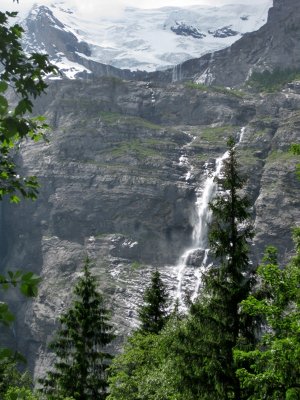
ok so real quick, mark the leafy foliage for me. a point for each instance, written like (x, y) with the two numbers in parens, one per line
(80, 367)
(17, 393)
(295, 149)
(23, 76)
(10, 376)
(129, 369)
(149, 367)
(26, 76)
(27, 283)
(273, 366)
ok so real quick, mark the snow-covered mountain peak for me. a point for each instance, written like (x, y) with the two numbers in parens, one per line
(139, 39)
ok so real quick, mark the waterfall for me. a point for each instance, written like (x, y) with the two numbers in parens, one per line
(199, 248)
(176, 73)
(242, 133)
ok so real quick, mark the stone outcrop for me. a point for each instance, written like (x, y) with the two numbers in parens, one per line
(43, 29)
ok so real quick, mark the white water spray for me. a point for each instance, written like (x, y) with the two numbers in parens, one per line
(199, 247)
(176, 73)
(242, 133)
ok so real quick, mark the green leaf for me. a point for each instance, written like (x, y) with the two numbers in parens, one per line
(23, 106)
(25, 75)
(295, 149)
(29, 284)
(10, 355)
(3, 86)
(5, 354)
(14, 199)
(27, 276)
(3, 105)
(18, 274)
(10, 274)
(10, 125)
(5, 286)
(6, 317)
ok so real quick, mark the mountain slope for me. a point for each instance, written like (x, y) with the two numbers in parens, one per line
(139, 39)
(275, 44)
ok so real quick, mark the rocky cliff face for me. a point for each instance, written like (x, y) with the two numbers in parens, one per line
(113, 188)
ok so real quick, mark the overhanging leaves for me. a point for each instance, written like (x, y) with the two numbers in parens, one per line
(26, 75)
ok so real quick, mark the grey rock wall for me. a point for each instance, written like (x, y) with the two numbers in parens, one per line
(112, 188)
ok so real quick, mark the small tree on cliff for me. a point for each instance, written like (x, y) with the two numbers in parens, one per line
(153, 313)
(80, 368)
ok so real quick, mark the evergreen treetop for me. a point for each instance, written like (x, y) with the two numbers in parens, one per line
(153, 313)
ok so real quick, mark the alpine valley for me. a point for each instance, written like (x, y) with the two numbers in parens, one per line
(139, 119)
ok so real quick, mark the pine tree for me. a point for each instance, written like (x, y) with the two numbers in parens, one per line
(81, 360)
(153, 313)
(216, 315)
(141, 355)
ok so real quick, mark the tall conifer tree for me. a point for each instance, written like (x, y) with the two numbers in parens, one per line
(129, 370)
(217, 311)
(81, 360)
(153, 313)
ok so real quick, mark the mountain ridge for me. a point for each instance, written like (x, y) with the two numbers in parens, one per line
(168, 36)
(266, 49)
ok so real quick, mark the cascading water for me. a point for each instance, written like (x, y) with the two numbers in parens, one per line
(199, 249)
(176, 73)
(201, 223)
